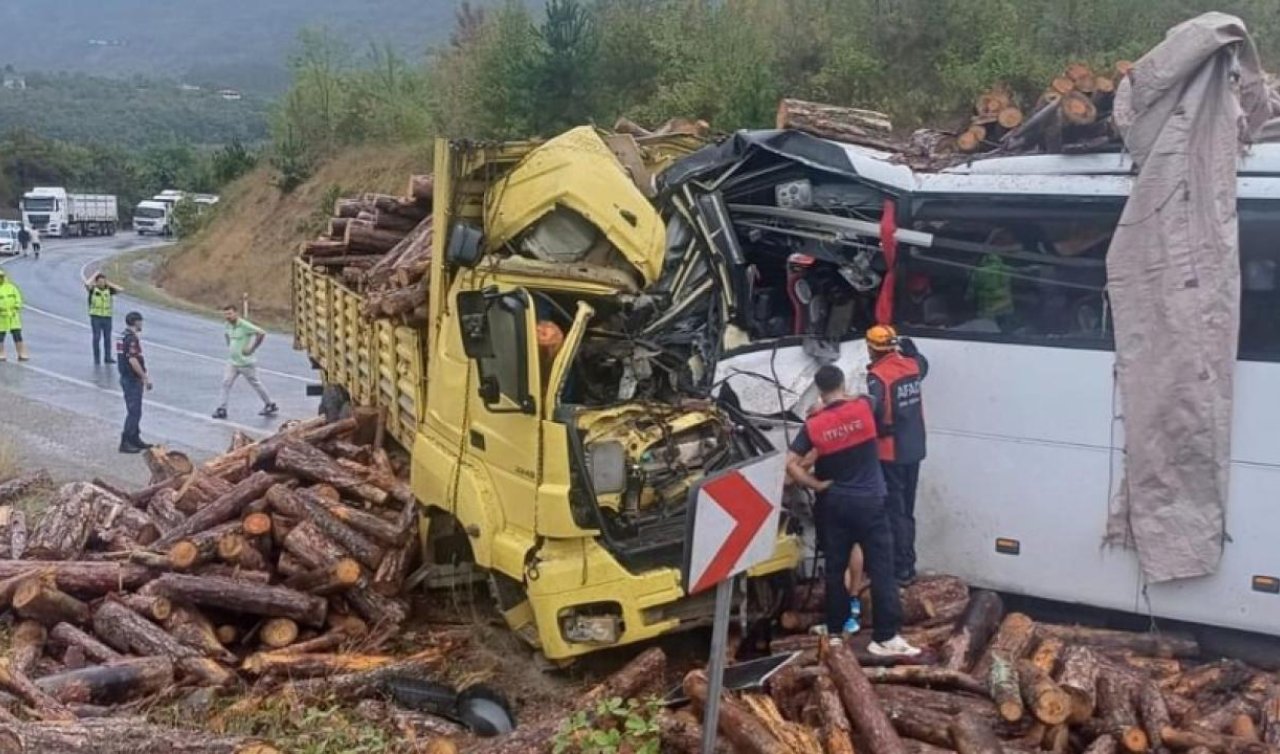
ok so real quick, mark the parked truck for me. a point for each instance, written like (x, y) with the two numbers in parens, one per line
(562, 475)
(54, 212)
(155, 215)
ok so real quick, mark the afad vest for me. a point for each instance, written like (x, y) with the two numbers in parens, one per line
(843, 426)
(902, 435)
(99, 302)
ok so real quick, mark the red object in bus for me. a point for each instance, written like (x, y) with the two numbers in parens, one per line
(889, 245)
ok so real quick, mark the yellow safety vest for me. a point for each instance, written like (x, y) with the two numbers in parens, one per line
(99, 302)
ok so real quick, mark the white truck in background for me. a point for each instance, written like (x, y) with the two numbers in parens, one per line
(54, 212)
(155, 215)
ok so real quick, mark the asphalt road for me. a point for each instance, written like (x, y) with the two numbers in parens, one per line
(61, 410)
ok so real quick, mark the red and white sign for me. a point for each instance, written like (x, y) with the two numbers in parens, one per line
(734, 521)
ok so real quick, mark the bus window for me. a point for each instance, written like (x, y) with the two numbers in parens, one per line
(1259, 282)
(1028, 272)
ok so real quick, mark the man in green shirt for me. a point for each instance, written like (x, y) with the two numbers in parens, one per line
(243, 340)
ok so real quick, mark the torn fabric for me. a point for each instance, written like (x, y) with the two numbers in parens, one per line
(1173, 272)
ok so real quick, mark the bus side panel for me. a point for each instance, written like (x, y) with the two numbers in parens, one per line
(1019, 449)
(1252, 549)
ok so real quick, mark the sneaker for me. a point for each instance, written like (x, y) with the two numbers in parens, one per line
(851, 625)
(220, 413)
(835, 641)
(818, 630)
(270, 409)
(895, 647)
(128, 447)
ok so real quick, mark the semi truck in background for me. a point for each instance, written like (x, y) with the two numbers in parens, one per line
(155, 215)
(54, 212)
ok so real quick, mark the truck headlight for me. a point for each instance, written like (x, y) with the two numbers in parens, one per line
(607, 462)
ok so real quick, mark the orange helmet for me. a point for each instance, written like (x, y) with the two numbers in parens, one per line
(882, 338)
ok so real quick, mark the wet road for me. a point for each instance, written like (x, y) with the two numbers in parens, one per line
(65, 405)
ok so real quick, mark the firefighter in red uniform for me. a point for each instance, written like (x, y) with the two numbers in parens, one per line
(850, 509)
(893, 380)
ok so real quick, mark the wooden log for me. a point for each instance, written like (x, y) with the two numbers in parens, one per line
(240, 596)
(154, 607)
(294, 665)
(421, 189)
(110, 684)
(199, 548)
(234, 549)
(26, 645)
(1185, 740)
(222, 570)
(973, 631)
(1271, 719)
(18, 538)
(1062, 84)
(126, 631)
(1104, 744)
(363, 236)
(1159, 668)
(681, 733)
(388, 580)
(1214, 676)
(39, 599)
(6, 522)
(81, 578)
(278, 633)
(331, 640)
(933, 596)
(1012, 640)
(346, 537)
(119, 735)
(1047, 654)
(337, 229)
(17, 683)
(1157, 645)
(332, 579)
(310, 546)
(1217, 720)
(70, 636)
(398, 205)
(1243, 728)
(1117, 713)
(20, 485)
(970, 735)
(837, 733)
(64, 529)
(861, 703)
(225, 508)
(1056, 739)
(787, 687)
(1154, 713)
(311, 463)
(1077, 109)
(1010, 117)
(163, 509)
(1042, 697)
(1078, 680)
(836, 123)
(377, 528)
(992, 101)
(736, 723)
(191, 627)
(1006, 689)
(10, 585)
(256, 524)
(927, 676)
(395, 303)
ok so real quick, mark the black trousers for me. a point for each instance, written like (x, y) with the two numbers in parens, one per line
(902, 480)
(101, 337)
(133, 410)
(17, 336)
(843, 521)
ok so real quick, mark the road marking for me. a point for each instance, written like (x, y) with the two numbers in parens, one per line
(163, 347)
(255, 431)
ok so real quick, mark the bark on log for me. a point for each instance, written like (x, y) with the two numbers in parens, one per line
(1005, 689)
(1215, 676)
(152, 606)
(681, 733)
(234, 549)
(17, 683)
(737, 724)
(974, 630)
(1047, 654)
(386, 533)
(1049, 703)
(1271, 719)
(1154, 713)
(316, 551)
(1244, 729)
(927, 676)
(119, 736)
(127, 631)
(240, 596)
(837, 123)
(18, 538)
(970, 735)
(163, 509)
(110, 684)
(359, 685)
(1079, 678)
(346, 537)
(27, 645)
(333, 579)
(81, 578)
(199, 548)
(422, 189)
(295, 665)
(861, 703)
(837, 734)
(363, 236)
(70, 636)
(1105, 744)
(193, 629)
(24, 483)
(326, 642)
(1117, 713)
(64, 529)
(1183, 740)
(1012, 640)
(39, 599)
(388, 580)
(1158, 645)
(278, 633)
(228, 506)
(311, 463)
(930, 597)
(921, 724)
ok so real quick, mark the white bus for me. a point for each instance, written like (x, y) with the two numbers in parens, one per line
(1025, 438)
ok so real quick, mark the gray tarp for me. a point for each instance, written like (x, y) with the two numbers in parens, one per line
(1173, 273)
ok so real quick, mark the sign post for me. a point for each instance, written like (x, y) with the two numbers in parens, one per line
(733, 525)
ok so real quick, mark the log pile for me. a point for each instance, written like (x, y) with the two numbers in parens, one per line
(262, 566)
(380, 245)
(992, 682)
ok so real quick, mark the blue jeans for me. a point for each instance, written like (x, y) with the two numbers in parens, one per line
(101, 337)
(133, 407)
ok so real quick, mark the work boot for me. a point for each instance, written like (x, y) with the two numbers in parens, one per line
(270, 409)
(220, 413)
(23, 353)
(128, 447)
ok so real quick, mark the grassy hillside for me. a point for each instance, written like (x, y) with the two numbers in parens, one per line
(249, 244)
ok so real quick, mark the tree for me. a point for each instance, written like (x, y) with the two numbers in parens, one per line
(566, 53)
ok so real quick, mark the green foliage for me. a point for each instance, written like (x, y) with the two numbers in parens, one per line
(188, 218)
(613, 727)
(232, 161)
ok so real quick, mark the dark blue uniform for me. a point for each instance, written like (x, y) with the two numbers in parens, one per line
(894, 381)
(130, 347)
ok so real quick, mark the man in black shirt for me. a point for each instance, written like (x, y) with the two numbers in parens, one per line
(850, 509)
(133, 380)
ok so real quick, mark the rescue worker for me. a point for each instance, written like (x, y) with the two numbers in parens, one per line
(893, 380)
(11, 317)
(134, 379)
(102, 294)
(850, 506)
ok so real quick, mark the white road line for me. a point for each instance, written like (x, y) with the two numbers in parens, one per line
(163, 347)
(255, 431)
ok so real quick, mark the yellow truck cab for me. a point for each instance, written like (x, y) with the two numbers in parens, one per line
(551, 445)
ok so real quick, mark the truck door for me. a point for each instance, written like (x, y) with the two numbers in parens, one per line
(498, 334)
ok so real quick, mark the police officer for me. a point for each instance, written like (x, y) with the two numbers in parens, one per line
(850, 489)
(893, 379)
(133, 380)
(102, 294)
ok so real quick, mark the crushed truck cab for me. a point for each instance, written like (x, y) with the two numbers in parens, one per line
(553, 444)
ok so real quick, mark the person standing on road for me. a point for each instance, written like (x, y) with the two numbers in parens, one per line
(102, 294)
(134, 379)
(243, 340)
(24, 239)
(850, 506)
(35, 242)
(11, 317)
(893, 380)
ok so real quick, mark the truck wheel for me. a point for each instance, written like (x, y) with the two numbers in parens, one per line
(335, 403)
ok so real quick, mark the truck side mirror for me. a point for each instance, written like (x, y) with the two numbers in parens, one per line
(490, 393)
(473, 319)
(465, 245)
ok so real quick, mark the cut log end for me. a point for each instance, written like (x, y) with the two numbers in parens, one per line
(256, 524)
(184, 555)
(278, 633)
(1010, 117)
